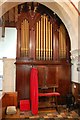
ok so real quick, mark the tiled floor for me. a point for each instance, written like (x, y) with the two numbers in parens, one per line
(45, 114)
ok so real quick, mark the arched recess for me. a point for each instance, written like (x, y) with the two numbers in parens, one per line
(50, 58)
(66, 18)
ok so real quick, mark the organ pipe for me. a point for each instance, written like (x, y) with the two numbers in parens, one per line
(24, 38)
(44, 47)
(37, 42)
(47, 38)
(25, 32)
(44, 37)
(42, 42)
(27, 37)
(62, 42)
(51, 41)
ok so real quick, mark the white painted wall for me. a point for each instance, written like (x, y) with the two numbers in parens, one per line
(8, 43)
(8, 55)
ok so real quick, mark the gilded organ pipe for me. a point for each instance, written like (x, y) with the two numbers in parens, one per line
(62, 42)
(25, 32)
(22, 39)
(37, 42)
(51, 42)
(47, 38)
(42, 42)
(44, 37)
(39, 39)
(26, 37)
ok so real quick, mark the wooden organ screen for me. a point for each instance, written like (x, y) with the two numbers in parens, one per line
(42, 42)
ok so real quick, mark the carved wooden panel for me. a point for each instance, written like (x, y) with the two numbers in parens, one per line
(22, 82)
(64, 82)
(47, 76)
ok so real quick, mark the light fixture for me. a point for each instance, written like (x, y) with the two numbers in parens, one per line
(3, 27)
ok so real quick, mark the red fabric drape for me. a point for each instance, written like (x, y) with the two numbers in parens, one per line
(34, 90)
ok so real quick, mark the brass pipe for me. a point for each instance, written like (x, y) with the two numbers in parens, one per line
(49, 38)
(51, 42)
(22, 39)
(42, 43)
(47, 43)
(64, 46)
(44, 37)
(37, 42)
(26, 45)
(61, 41)
(28, 38)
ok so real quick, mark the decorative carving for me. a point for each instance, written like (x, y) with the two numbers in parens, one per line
(75, 58)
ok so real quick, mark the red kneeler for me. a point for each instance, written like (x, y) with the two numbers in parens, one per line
(24, 105)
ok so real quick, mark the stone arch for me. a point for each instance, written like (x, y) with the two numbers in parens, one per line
(70, 19)
(65, 11)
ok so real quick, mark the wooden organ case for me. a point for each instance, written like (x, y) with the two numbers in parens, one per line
(42, 42)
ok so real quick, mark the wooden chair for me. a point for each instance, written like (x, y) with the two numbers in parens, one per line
(34, 95)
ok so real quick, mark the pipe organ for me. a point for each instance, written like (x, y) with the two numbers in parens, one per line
(42, 42)
(24, 39)
(62, 42)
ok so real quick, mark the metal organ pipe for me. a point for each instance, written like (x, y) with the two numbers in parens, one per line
(51, 41)
(37, 43)
(42, 42)
(39, 39)
(44, 49)
(24, 38)
(44, 37)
